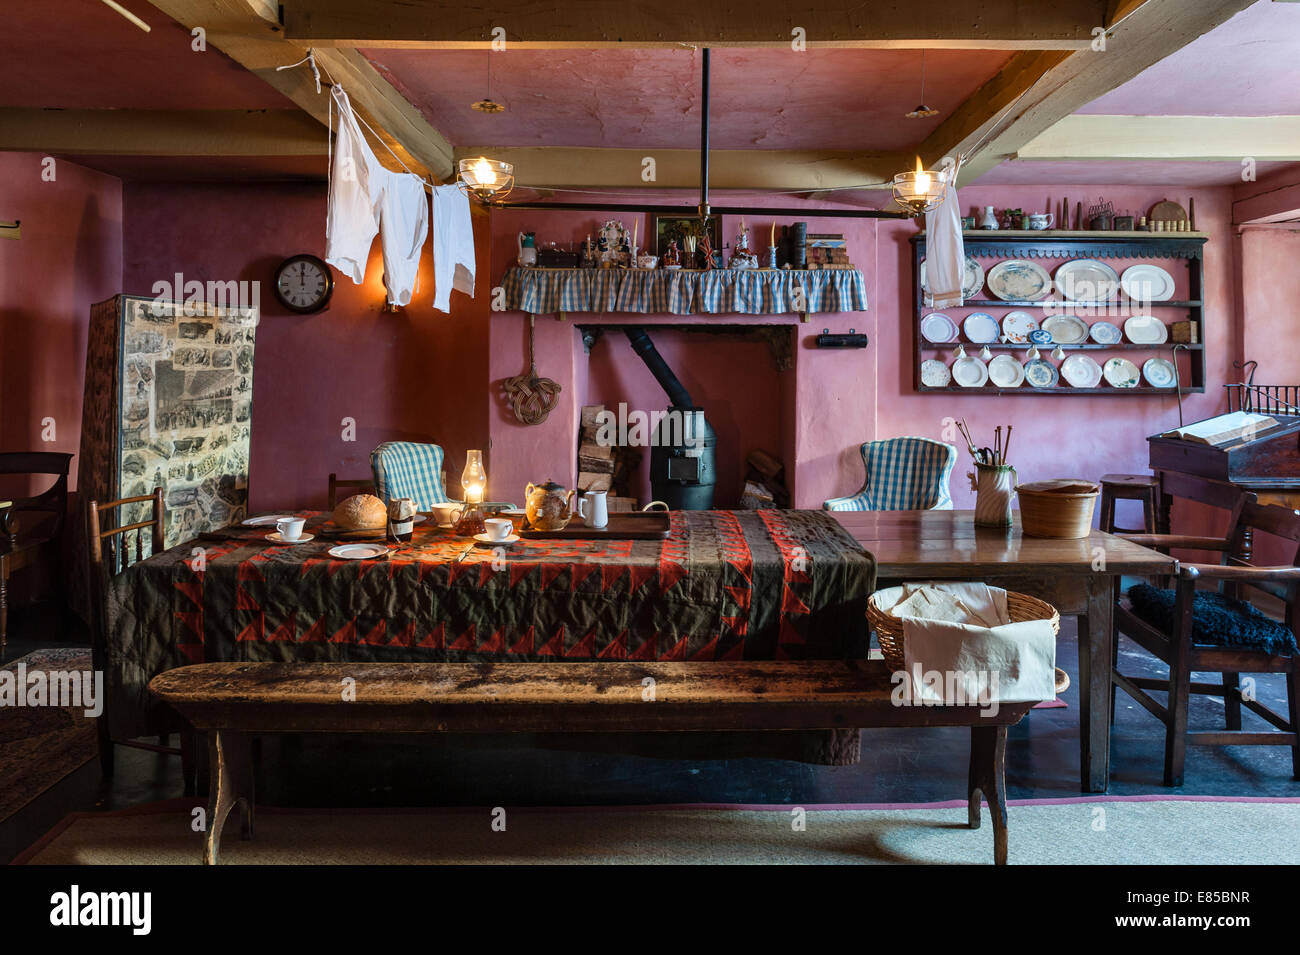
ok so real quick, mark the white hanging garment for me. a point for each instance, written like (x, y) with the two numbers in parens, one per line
(945, 252)
(366, 198)
(453, 245)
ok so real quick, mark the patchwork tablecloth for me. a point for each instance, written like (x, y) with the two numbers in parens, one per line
(725, 585)
(661, 292)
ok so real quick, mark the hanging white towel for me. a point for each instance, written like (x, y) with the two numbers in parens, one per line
(453, 245)
(945, 252)
(366, 198)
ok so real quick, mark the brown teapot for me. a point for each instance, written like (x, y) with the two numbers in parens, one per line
(548, 506)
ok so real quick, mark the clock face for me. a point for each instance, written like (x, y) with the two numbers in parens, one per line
(303, 283)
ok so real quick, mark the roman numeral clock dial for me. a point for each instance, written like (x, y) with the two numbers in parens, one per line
(303, 283)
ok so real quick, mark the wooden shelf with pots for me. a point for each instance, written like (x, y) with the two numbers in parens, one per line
(1002, 245)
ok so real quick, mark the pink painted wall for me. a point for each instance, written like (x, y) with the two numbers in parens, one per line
(413, 375)
(69, 256)
(1270, 287)
(838, 399)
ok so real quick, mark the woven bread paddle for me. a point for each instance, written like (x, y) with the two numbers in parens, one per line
(531, 398)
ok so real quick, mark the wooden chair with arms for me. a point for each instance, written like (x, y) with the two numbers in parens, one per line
(32, 540)
(111, 553)
(1206, 631)
(361, 485)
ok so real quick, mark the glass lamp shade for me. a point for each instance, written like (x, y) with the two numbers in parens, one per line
(487, 178)
(474, 479)
(919, 191)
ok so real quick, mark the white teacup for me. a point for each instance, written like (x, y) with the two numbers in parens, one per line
(290, 528)
(498, 528)
(445, 514)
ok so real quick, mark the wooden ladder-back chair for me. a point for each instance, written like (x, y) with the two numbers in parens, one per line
(112, 551)
(28, 541)
(1195, 630)
(359, 486)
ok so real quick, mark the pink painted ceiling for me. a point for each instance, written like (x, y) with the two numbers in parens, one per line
(80, 54)
(1249, 66)
(766, 99)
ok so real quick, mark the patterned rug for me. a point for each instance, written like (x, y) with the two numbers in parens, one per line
(1142, 830)
(39, 745)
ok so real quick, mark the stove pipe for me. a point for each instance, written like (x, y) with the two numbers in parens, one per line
(684, 450)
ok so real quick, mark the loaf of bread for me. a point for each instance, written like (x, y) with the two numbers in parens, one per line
(361, 512)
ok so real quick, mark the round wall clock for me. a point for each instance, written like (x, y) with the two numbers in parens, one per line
(303, 283)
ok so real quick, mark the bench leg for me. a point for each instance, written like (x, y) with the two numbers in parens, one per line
(988, 758)
(232, 780)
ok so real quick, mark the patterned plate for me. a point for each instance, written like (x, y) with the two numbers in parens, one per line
(1016, 327)
(935, 374)
(1105, 333)
(1041, 374)
(1018, 280)
(1159, 373)
(1121, 373)
(972, 280)
(1080, 371)
(980, 328)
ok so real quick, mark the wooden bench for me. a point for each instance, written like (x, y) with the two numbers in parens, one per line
(233, 701)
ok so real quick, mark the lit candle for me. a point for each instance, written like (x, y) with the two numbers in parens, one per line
(922, 178)
(473, 479)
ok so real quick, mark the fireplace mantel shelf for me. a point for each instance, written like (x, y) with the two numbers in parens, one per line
(662, 292)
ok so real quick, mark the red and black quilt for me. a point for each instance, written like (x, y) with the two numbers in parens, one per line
(726, 585)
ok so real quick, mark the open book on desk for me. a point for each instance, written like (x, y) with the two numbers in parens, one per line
(1224, 429)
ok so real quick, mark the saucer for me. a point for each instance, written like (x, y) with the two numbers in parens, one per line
(484, 539)
(275, 538)
(263, 520)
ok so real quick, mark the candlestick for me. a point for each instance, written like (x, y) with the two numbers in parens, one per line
(771, 256)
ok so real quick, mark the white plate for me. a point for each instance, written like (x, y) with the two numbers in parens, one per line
(1106, 333)
(1147, 283)
(935, 374)
(264, 520)
(484, 539)
(981, 328)
(969, 372)
(938, 328)
(275, 537)
(1066, 329)
(1006, 372)
(1018, 280)
(1080, 371)
(1086, 280)
(359, 551)
(419, 518)
(1016, 327)
(1146, 330)
(972, 280)
(1121, 373)
(1159, 373)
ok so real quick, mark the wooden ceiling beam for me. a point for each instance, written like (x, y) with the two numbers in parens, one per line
(141, 132)
(1210, 138)
(594, 24)
(775, 169)
(1034, 91)
(249, 32)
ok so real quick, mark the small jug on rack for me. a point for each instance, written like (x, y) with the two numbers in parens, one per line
(994, 485)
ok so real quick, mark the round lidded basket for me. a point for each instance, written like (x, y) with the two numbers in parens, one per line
(889, 629)
(1059, 509)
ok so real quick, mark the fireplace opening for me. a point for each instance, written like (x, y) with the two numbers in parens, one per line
(695, 415)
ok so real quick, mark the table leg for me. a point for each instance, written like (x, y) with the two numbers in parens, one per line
(232, 774)
(988, 759)
(1096, 638)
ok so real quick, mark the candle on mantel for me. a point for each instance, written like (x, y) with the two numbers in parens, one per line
(772, 240)
(636, 226)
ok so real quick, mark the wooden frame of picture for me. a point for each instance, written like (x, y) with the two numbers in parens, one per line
(667, 228)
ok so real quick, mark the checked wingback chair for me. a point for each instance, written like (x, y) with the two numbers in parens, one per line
(1197, 630)
(903, 474)
(409, 469)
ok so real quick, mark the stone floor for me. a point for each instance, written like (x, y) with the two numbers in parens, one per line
(897, 766)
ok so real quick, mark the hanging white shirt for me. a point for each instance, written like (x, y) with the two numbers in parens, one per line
(453, 245)
(945, 251)
(364, 199)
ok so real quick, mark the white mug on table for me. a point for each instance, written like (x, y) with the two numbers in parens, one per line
(498, 528)
(593, 508)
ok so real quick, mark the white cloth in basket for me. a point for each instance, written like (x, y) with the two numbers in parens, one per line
(960, 646)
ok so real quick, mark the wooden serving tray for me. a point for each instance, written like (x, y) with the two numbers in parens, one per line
(623, 525)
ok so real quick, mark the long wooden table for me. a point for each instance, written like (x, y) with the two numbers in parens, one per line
(1079, 577)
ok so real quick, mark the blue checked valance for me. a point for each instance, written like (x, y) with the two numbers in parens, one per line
(660, 292)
